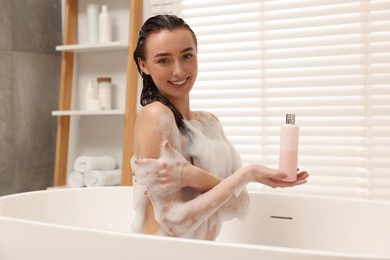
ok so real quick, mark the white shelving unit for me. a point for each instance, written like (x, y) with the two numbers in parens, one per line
(103, 132)
(87, 113)
(111, 46)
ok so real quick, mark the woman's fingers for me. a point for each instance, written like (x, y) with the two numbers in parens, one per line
(277, 180)
(302, 175)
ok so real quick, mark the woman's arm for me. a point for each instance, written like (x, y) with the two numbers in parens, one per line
(199, 179)
(177, 218)
(165, 176)
(172, 172)
(155, 122)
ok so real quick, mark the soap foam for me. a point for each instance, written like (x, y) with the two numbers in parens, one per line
(186, 212)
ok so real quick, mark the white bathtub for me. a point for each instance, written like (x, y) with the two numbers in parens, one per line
(94, 223)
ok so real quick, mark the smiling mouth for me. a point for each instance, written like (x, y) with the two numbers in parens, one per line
(179, 83)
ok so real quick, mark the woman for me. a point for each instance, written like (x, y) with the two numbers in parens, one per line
(188, 178)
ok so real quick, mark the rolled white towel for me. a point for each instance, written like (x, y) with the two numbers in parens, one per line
(85, 164)
(96, 178)
(76, 180)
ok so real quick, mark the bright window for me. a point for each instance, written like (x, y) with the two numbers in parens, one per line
(326, 61)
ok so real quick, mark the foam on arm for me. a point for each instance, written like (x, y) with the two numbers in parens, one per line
(178, 218)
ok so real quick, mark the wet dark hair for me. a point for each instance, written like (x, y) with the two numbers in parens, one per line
(150, 93)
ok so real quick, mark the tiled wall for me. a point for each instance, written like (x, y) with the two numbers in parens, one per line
(29, 82)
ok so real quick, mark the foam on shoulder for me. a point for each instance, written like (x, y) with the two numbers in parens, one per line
(211, 151)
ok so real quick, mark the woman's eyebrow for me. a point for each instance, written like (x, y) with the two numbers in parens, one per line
(187, 49)
(163, 54)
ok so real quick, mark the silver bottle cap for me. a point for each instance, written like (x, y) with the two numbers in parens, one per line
(290, 119)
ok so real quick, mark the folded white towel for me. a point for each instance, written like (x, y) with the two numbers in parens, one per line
(97, 178)
(85, 164)
(76, 180)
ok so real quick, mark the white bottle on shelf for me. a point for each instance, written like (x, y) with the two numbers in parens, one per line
(105, 92)
(104, 26)
(90, 92)
(91, 101)
(93, 23)
(288, 153)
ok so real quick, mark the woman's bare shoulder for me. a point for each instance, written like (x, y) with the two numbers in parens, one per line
(155, 113)
(155, 109)
(155, 123)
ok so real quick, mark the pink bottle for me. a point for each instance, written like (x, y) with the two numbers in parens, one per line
(288, 153)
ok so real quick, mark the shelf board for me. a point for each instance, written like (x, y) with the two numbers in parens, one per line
(87, 113)
(110, 46)
(57, 187)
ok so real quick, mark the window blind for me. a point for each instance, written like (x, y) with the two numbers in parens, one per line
(326, 61)
(377, 92)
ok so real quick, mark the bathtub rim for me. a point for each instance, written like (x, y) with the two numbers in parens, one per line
(252, 192)
(196, 241)
(186, 240)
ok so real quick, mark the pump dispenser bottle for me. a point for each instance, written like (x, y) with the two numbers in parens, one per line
(288, 153)
(91, 101)
(90, 92)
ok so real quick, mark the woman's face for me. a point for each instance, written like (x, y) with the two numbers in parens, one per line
(171, 60)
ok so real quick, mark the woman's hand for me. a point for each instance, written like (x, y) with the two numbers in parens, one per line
(161, 175)
(274, 178)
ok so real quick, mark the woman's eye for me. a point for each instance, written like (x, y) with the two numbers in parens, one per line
(162, 61)
(187, 56)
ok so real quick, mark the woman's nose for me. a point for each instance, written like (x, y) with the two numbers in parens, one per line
(178, 69)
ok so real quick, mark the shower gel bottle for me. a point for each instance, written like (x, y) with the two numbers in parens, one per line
(104, 25)
(288, 153)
